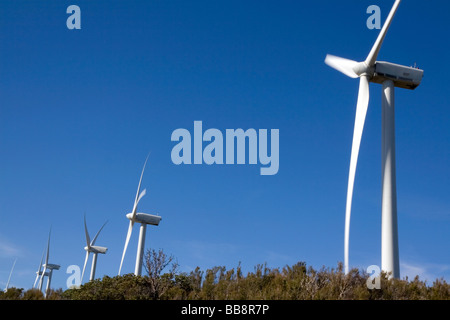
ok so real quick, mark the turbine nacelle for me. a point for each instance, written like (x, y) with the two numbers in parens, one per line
(144, 218)
(51, 266)
(96, 249)
(402, 76)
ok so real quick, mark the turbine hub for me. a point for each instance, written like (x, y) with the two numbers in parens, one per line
(361, 69)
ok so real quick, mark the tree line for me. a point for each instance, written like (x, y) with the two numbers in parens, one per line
(163, 281)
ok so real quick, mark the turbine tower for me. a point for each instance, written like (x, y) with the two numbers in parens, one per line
(389, 75)
(47, 266)
(143, 219)
(92, 248)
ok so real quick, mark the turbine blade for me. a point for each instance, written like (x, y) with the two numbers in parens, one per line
(141, 195)
(46, 260)
(138, 194)
(361, 111)
(88, 239)
(41, 280)
(42, 259)
(341, 64)
(372, 57)
(39, 270)
(84, 267)
(48, 247)
(95, 238)
(9, 278)
(130, 229)
(35, 280)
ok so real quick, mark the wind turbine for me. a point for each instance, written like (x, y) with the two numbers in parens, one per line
(389, 75)
(46, 266)
(9, 278)
(39, 272)
(143, 219)
(92, 248)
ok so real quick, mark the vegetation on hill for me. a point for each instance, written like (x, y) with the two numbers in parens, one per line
(297, 282)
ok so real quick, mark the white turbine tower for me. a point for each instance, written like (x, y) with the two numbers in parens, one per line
(91, 247)
(47, 266)
(389, 75)
(143, 219)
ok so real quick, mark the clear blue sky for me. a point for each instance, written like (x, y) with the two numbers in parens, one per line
(80, 110)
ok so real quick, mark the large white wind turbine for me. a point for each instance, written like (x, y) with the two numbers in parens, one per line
(91, 247)
(389, 75)
(48, 269)
(143, 219)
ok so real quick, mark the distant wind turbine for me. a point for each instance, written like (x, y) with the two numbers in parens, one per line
(9, 278)
(389, 75)
(143, 219)
(92, 248)
(39, 272)
(47, 266)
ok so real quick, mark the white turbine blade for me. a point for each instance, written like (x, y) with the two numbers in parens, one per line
(130, 229)
(343, 65)
(88, 239)
(95, 238)
(46, 259)
(141, 195)
(361, 111)
(372, 57)
(39, 270)
(41, 280)
(48, 247)
(84, 267)
(9, 278)
(138, 194)
(36, 280)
